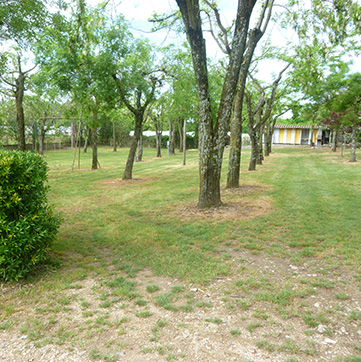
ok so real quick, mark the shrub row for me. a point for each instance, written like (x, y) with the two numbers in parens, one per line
(28, 224)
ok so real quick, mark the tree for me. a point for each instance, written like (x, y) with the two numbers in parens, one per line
(182, 96)
(344, 109)
(157, 117)
(259, 113)
(70, 55)
(17, 89)
(212, 133)
(22, 20)
(136, 83)
(8, 127)
(255, 36)
(281, 107)
(327, 33)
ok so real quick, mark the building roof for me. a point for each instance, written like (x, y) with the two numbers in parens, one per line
(303, 126)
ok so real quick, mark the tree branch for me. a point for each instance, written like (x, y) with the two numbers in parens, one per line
(220, 25)
(8, 83)
(28, 71)
(122, 94)
(223, 49)
(151, 96)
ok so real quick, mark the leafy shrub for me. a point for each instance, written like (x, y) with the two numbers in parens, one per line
(27, 223)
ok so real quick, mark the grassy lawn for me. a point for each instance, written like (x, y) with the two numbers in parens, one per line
(300, 212)
(314, 212)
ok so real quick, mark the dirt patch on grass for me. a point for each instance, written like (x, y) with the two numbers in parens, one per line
(345, 159)
(120, 182)
(238, 203)
(266, 309)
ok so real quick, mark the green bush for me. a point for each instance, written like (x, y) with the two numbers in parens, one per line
(27, 223)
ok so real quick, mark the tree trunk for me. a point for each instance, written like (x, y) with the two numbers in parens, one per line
(159, 143)
(158, 124)
(42, 136)
(335, 140)
(127, 175)
(234, 163)
(236, 122)
(353, 145)
(254, 151)
(343, 140)
(180, 131)
(114, 137)
(268, 140)
(94, 146)
(73, 134)
(139, 156)
(270, 130)
(209, 175)
(171, 138)
(260, 157)
(20, 119)
(212, 137)
(87, 131)
(35, 137)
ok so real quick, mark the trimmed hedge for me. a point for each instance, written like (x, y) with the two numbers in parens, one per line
(27, 223)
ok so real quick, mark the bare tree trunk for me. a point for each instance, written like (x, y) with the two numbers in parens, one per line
(180, 131)
(234, 163)
(343, 141)
(20, 119)
(254, 151)
(127, 175)
(353, 145)
(212, 135)
(268, 138)
(260, 157)
(94, 146)
(171, 138)
(35, 136)
(42, 136)
(159, 143)
(139, 156)
(73, 134)
(335, 140)
(236, 121)
(87, 131)
(158, 122)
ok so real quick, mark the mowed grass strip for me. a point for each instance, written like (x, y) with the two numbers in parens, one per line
(316, 205)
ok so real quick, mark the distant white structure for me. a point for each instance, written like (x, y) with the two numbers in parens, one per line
(153, 133)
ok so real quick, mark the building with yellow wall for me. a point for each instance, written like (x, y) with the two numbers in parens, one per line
(299, 135)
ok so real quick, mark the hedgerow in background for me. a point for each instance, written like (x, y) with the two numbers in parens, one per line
(28, 224)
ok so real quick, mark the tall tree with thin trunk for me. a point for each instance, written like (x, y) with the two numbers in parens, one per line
(157, 117)
(138, 108)
(70, 53)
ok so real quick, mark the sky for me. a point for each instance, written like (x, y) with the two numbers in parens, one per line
(139, 11)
